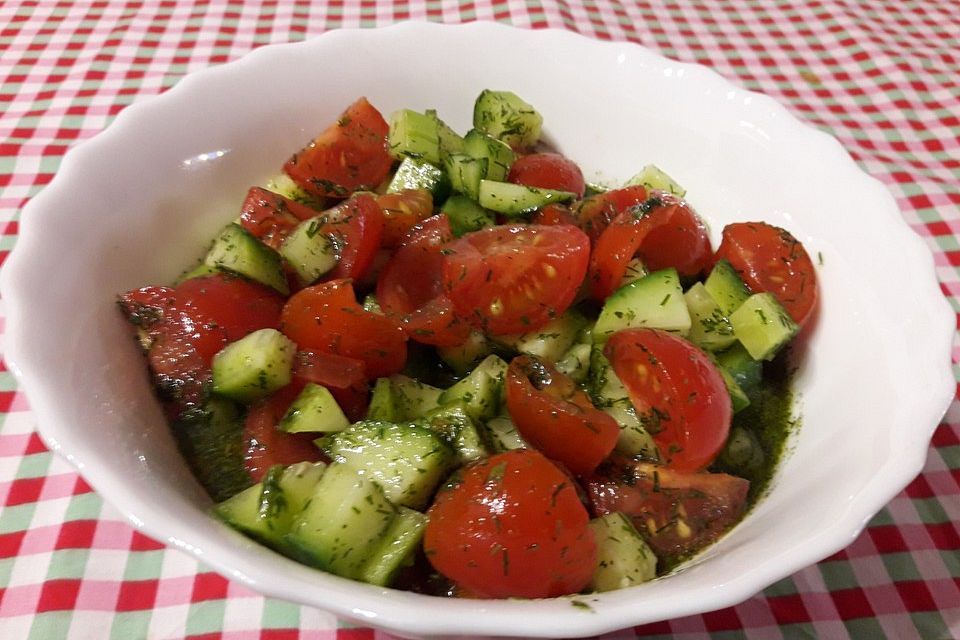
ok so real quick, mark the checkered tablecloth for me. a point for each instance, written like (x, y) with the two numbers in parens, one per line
(882, 76)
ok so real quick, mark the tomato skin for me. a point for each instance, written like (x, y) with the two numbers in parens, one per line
(265, 444)
(512, 525)
(553, 214)
(677, 391)
(356, 227)
(657, 499)
(411, 286)
(770, 259)
(401, 212)
(271, 217)
(350, 155)
(663, 230)
(345, 378)
(595, 213)
(548, 171)
(189, 324)
(515, 278)
(327, 318)
(554, 415)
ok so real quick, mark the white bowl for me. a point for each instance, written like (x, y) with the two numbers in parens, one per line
(137, 203)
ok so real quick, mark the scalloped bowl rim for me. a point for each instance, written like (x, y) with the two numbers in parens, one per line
(403, 612)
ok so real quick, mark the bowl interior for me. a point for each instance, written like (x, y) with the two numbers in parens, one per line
(139, 203)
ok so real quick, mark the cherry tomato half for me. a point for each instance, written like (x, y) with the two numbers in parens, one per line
(401, 211)
(677, 513)
(512, 525)
(663, 230)
(548, 171)
(515, 278)
(770, 259)
(327, 318)
(345, 378)
(411, 286)
(350, 155)
(554, 415)
(678, 393)
(595, 213)
(271, 217)
(356, 227)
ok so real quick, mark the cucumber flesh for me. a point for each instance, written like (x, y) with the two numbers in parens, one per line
(254, 366)
(463, 358)
(414, 135)
(310, 252)
(763, 326)
(726, 287)
(551, 341)
(652, 177)
(236, 250)
(465, 173)
(414, 399)
(395, 549)
(623, 557)
(414, 173)
(516, 199)
(498, 155)
(710, 329)
(454, 424)
(466, 215)
(315, 410)
(506, 116)
(655, 301)
(502, 435)
(481, 391)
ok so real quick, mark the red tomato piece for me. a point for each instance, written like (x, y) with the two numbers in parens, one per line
(677, 513)
(189, 324)
(356, 227)
(515, 278)
(265, 444)
(595, 213)
(770, 259)
(512, 525)
(554, 415)
(663, 230)
(548, 171)
(401, 211)
(553, 214)
(327, 318)
(348, 156)
(411, 286)
(345, 378)
(271, 217)
(678, 393)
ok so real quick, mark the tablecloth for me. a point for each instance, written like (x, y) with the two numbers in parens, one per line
(882, 76)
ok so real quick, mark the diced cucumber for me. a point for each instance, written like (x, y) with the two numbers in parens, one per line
(746, 371)
(414, 135)
(635, 270)
(611, 396)
(198, 271)
(450, 140)
(575, 362)
(465, 173)
(551, 341)
(314, 411)
(742, 453)
(254, 366)
(414, 173)
(407, 461)
(237, 251)
(481, 391)
(504, 115)
(310, 252)
(211, 440)
(517, 199)
(454, 424)
(463, 358)
(502, 435)
(383, 404)
(342, 523)
(763, 326)
(499, 156)
(726, 287)
(655, 301)
(466, 215)
(652, 177)
(413, 398)
(266, 510)
(738, 398)
(623, 557)
(396, 548)
(284, 185)
(710, 329)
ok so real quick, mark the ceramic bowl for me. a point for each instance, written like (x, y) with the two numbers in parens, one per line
(138, 202)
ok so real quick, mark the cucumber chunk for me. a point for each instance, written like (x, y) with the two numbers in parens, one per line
(197, 272)
(481, 392)
(465, 173)
(738, 398)
(314, 411)
(576, 362)
(450, 140)
(420, 174)
(655, 301)
(310, 252)
(383, 404)
(611, 396)
(726, 287)
(211, 441)
(634, 271)
(407, 461)
(742, 454)
(466, 215)
(396, 548)
(763, 326)
(254, 366)
(284, 185)
(237, 251)
(414, 135)
(463, 358)
(551, 341)
(454, 424)
(623, 557)
(498, 155)
(414, 399)
(746, 371)
(517, 199)
(502, 435)
(652, 177)
(507, 117)
(710, 329)
(342, 523)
